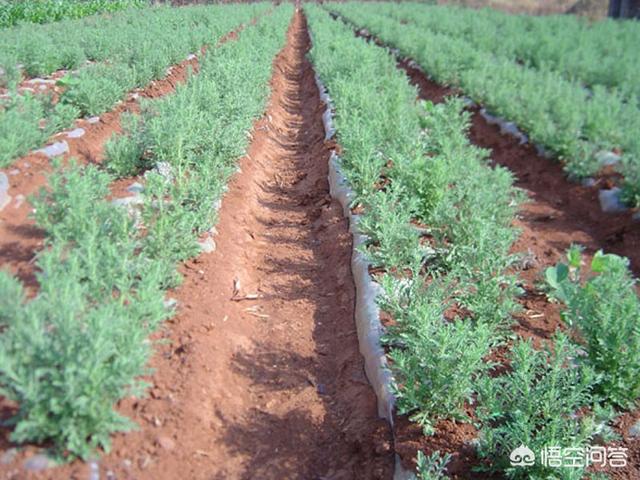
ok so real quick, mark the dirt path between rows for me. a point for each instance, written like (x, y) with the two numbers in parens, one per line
(271, 387)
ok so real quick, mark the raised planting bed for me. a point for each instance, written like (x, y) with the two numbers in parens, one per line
(474, 338)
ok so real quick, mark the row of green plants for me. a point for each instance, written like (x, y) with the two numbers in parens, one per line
(439, 219)
(13, 12)
(555, 112)
(129, 50)
(69, 354)
(594, 53)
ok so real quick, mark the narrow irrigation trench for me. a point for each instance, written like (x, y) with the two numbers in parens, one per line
(260, 375)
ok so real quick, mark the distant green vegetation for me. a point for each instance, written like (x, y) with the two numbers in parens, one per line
(45, 11)
(572, 87)
(109, 58)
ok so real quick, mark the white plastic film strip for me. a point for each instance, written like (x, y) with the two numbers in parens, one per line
(367, 313)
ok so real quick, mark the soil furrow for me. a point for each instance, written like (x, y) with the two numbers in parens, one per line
(260, 375)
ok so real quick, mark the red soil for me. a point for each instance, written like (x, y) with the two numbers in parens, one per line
(271, 386)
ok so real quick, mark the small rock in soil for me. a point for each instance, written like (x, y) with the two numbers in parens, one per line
(93, 119)
(491, 119)
(55, 149)
(41, 80)
(166, 443)
(20, 198)
(610, 201)
(135, 187)
(8, 456)
(164, 169)
(542, 151)
(77, 133)
(606, 158)
(128, 201)
(208, 245)
(143, 462)
(528, 261)
(5, 198)
(170, 303)
(94, 470)
(37, 462)
(588, 182)
(634, 430)
(468, 102)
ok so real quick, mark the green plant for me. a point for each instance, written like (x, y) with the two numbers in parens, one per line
(124, 153)
(435, 362)
(437, 218)
(96, 88)
(550, 104)
(391, 238)
(69, 354)
(126, 50)
(604, 310)
(432, 467)
(21, 127)
(45, 11)
(541, 402)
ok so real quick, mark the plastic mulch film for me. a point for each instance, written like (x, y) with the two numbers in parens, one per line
(367, 314)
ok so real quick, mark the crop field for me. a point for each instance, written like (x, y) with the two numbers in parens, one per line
(339, 240)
